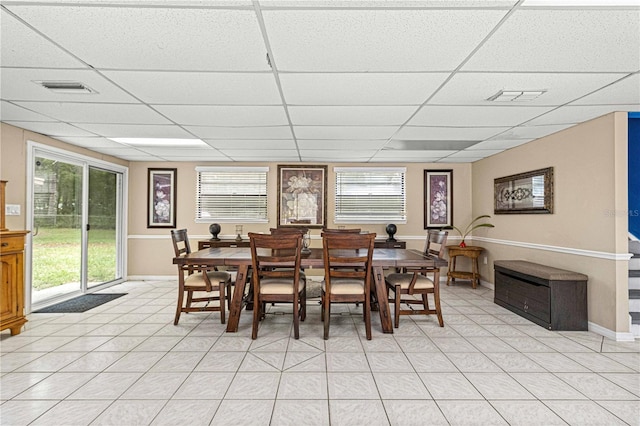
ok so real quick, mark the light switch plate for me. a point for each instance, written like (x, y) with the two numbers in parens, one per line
(12, 209)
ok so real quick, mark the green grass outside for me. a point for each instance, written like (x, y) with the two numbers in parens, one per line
(56, 256)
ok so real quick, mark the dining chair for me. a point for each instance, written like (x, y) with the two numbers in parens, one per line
(347, 273)
(417, 281)
(342, 230)
(199, 279)
(277, 278)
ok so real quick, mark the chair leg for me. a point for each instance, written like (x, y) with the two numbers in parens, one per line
(296, 317)
(436, 297)
(179, 309)
(367, 314)
(228, 296)
(326, 309)
(398, 294)
(189, 298)
(221, 288)
(257, 307)
(303, 304)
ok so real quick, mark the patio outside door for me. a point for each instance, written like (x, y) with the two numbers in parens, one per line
(76, 239)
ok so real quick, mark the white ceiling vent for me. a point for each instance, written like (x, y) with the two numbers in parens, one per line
(516, 95)
(71, 87)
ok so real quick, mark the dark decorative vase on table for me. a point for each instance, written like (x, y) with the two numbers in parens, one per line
(214, 228)
(391, 230)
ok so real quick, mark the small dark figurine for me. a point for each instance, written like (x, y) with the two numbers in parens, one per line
(214, 228)
(391, 230)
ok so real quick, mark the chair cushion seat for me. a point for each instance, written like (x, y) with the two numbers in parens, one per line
(345, 286)
(216, 277)
(422, 283)
(279, 286)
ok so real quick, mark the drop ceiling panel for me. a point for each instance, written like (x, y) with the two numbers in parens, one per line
(207, 115)
(563, 40)
(118, 152)
(412, 4)
(344, 132)
(50, 128)
(447, 133)
(579, 114)
(20, 84)
(97, 113)
(533, 132)
(22, 47)
(360, 88)
(199, 88)
(316, 154)
(391, 154)
(466, 116)
(321, 159)
(153, 38)
(375, 40)
(168, 152)
(626, 91)
(258, 153)
(341, 145)
(91, 142)
(476, 88)
(251, 145)
(350, 115)
(9, 111)
(499, 144)
(137, 130)
(257, 132)
(476, 153)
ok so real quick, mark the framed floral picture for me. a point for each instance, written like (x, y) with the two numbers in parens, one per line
(302, 195)
(161, 198)
(438, 199)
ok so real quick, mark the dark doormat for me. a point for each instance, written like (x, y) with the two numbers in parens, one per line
(79, 304)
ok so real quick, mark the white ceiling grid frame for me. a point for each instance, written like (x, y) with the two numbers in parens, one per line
(206, 59)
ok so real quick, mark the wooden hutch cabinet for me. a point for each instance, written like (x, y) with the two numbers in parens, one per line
(12, 282)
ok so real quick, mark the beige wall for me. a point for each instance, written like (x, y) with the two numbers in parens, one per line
(589, 162)
(13, 165)
(587, 196)
(156, 245)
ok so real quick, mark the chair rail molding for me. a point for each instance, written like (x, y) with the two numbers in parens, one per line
(558, 249)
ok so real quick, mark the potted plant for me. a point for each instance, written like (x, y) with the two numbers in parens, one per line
(471, 226)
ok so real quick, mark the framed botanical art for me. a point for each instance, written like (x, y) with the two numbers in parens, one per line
(438, 199)
(161, 198)
(302, 196)
(529, 192)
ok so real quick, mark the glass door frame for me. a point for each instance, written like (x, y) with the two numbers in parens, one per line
(35, 149)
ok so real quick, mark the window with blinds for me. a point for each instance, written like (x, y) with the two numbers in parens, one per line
(231, 194)
(370, 195)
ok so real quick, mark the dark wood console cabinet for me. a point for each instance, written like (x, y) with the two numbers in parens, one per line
(390, 244)
(203, 244)
(553, 298)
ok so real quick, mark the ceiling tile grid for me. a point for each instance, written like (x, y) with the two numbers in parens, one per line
(307, 81)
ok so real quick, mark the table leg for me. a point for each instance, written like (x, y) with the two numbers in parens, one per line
(476, 274)
(383, 300)
(238, 299)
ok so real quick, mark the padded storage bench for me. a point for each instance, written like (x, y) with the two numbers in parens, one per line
(553, 298)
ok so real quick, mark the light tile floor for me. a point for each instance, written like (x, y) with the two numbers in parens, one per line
(125, 363)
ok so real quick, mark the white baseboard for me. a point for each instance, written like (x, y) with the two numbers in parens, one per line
(152, 278)
(610, 334)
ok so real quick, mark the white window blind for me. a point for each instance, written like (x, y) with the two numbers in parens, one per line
(231, 194)
(370, 195)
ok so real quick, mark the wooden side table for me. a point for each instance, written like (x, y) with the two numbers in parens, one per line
(472, 252)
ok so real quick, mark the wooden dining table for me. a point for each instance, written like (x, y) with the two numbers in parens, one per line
(239, 258)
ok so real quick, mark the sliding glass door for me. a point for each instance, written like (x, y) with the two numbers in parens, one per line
(102, 229)
(76, 210)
